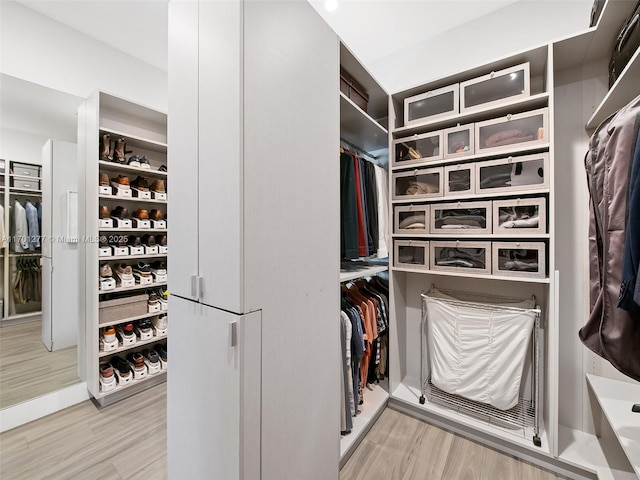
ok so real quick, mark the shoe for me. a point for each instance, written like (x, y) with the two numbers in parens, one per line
(157, 215)
(107, 377)
(161, 240)
(105, 271)
(153, 299)
(136, 359)
(162, 351)
(104, 212)
(106, 370)
(109, 334)
(124, 271)
(127, 331)
(122, 366)
(160, 322)
(106, 148)
(134, 241)
(103, 241)
(141, 214)
(158, 186)
(119, 153)
(141, 184)
(148, 240)
(162, 168)
(152, 356)
(134, 161)
(144, 326)
(120, 212)
(142, 269)
(159, 267)
(144, 163)
(121, 182)
(104, 179)
(118, 240)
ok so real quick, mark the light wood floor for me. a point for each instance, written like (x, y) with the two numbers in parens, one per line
(127, 440)
(28, 369)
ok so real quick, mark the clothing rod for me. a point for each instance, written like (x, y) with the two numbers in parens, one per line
(358, 149)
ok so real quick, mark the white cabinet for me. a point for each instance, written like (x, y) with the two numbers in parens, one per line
(253, 126)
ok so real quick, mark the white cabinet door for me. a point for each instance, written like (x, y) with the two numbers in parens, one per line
(182, 126)
(213, 393)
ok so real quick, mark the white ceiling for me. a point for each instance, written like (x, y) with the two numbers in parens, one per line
(372, 28)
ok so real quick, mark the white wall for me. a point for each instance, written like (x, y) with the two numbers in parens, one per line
(36, 48)
(516, 27)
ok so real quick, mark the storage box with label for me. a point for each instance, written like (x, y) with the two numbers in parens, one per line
(411, 219)
(411, 254)
(461, 218)
(419, 183)
(519, 259)
(432, 105)
(417, 149)
(460, 179)
(25, 170)
(353, 90)
(458, 256)
(495, 88)
(511, 132)
(122, 308)
(520, 216)
(459, 141)
(513, 174)
(25, 183)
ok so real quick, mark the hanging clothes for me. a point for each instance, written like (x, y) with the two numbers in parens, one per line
(27, 284)
(20, 228)
(3, 231)
(32, 225)
(613, 328)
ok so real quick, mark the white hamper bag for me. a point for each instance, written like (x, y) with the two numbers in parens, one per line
(478, 352)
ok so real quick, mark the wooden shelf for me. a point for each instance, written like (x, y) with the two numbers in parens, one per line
(132, 257)
(616, 399)
(357, 127)
(450, 198)
(472, 275)
(622, 92)
(138, 343)
(24, 191)
(131, 289)
(119, 167)
(364, 271)
(132, 199)
(534, 101)
(134, 230)
(132, 319)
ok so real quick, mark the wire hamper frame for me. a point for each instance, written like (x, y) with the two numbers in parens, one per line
(525, 414)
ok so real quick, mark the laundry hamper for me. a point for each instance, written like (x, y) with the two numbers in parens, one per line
(476, 351)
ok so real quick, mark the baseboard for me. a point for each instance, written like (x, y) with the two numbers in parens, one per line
(25, 412)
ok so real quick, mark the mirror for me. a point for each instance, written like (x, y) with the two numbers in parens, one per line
(38, 338)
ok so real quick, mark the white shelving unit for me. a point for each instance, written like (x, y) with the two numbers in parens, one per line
(12, 313)
(145, 133)
(366, 131)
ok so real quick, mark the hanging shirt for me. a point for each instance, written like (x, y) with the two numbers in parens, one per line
(3, 231)
(20, 228)
(32, 224)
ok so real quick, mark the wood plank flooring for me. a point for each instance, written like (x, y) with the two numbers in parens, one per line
(127, 441)
(27, 369)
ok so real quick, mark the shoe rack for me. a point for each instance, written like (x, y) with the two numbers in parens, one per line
(122, 157)
(21, 182)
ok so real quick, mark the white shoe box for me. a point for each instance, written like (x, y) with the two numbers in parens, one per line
(159, 224)
(160, 332)
(155, 308)
(140, 374)
(159, 196)
(122, 222)
(122, 192)
(107, 387)
(126, 341)
(141, 193)
(108, 346)
(105, 251)
(123, 380)
(148, 280)
(136, 250)
(163, 250)
(107, 284)
(131, 282)
(151, 250)
(153, 369)
(148, 335)
(105, 223)
(160, 278)
(138, 223)
(163, 364)
(164, 305)
(120, 251)
(105, 190)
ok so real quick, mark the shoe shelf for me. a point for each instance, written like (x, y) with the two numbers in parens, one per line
(543, 147)
(131, 289)
(26, 254)
(132, 319)
(25, 191)
(134, 230)
(147, 381)
(136, 140)
(139, 343)
(486, 276)
(489, 236)
(133, 257)
(451, 198)
(123, 167)
(132, 199)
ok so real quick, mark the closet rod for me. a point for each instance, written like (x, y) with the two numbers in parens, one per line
(358, 149)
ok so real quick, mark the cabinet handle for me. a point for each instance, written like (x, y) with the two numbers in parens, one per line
(194, 286)
(232, 334)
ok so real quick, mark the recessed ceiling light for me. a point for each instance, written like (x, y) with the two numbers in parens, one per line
(331, 5)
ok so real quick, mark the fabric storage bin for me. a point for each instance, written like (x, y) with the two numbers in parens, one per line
(458, 141)
(122, 308)
(353, 90)
(412, 219)
(513, 174)
(417, 149)
(495, 88)
(420, 183)
(519, 259)
(457, 256)
(461, 218)
(25, 170)
(508, 133)
(411, 254)
(432, 105)
(460, 179)
(521, 216)
(25, 183)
